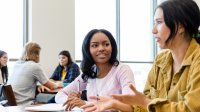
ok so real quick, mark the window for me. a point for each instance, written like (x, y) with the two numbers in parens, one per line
(131, 29)
(11, 27)
(136, 42)
(136, 28)
(92, 14)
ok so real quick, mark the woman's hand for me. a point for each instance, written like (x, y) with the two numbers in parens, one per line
(103, 103)
(73, 101)
(106, 103)
(42, 88)
(136, 98)
(74, 94)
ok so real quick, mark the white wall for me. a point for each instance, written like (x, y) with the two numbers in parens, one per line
(51, 24)
(198, 2)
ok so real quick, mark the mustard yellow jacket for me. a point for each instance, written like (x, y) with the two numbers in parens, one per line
(179, 92)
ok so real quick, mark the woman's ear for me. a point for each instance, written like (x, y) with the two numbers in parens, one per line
(181, 29)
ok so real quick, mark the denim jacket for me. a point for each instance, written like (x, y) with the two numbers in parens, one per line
(72, 72)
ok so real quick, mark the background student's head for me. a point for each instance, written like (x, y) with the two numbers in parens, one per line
(3, 64)
(3, 58)
(181, 17)
(64, 58)
(88, 50)
(31, 52)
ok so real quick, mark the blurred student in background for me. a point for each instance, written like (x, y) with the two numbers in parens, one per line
(26, 73)
(3, 67)
(66, 71)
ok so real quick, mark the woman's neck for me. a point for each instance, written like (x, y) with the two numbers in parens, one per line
(65, 67)
(103, 70)
(178, 51)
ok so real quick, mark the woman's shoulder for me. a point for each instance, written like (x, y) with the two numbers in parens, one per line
(163, 55)
(74, 65)
(122, 66)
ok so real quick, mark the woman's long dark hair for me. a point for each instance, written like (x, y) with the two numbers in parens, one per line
(67, 54)
(88, 65)
(181, 12)
(4, 69)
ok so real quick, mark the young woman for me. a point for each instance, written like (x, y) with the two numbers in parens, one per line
(26, 73)
(3, 67)
(103, 75)
(67, 70)
(173, 83)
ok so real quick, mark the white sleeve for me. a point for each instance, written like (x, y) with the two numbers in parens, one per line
(126, 77)
(62, 96)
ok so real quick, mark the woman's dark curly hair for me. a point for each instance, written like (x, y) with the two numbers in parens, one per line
(88, 64)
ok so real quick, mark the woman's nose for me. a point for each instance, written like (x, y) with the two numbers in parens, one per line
(154, 30)
(101, 48)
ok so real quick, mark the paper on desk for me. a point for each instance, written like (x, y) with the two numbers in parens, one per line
(49, 107)
(3, 109)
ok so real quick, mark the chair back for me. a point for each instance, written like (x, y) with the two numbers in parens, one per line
(9, 95)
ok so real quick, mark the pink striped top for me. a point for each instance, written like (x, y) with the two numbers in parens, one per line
(115, 82)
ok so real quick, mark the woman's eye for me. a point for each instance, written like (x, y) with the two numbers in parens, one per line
(107, 44)
(94, 45)
(158, 22)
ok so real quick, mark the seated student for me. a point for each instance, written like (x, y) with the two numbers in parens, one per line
(66, 71)
(102, 72)
(3, 70)
(26, 73)
(3, 67)
(173, 84)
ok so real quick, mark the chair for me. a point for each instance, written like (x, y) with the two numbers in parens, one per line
(9, 95)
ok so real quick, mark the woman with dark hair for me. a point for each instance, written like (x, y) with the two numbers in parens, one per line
(3, 67)
(67, 70)
(173, 84)
(103, 75)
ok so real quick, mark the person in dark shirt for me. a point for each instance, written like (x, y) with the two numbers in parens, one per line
(66, 71)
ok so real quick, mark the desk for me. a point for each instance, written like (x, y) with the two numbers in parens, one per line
(21, 109)
(15, 109)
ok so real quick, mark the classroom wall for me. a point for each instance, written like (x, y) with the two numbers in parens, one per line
(51, 24)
